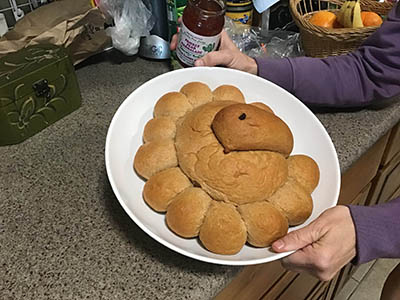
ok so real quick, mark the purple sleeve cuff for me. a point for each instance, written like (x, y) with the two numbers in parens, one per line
(278, 71)
(377, 231)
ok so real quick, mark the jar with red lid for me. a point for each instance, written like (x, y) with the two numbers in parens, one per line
(202, 23)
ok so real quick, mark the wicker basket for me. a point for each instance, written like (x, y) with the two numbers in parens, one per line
(322, 42)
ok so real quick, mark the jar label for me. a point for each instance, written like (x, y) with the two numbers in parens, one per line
(192, 46)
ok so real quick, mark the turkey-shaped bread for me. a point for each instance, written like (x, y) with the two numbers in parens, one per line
(221, 169)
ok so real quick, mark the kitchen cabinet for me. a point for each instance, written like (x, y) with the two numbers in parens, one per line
(373, 178)
(387, 181)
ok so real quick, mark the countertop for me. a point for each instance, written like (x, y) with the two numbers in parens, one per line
(63, 234)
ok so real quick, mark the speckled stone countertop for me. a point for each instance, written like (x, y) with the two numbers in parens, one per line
(63, 234)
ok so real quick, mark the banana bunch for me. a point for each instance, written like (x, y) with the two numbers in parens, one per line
(349, 14)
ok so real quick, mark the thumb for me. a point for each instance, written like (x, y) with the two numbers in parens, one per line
(296, 239)
(215, 58)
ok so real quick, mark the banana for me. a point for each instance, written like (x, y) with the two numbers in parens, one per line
(349, 14)
(347, 18)
(341, 13)
(357, 21)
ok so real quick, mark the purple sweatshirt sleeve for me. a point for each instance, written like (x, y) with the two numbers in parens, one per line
(372, 72)
(377, 231)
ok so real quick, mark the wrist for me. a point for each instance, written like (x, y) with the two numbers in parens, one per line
(251, 66)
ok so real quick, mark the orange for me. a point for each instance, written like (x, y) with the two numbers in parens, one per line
(323, 18)
(370, 18)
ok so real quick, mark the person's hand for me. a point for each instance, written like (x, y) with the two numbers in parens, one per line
(323, 247)
(227, 55)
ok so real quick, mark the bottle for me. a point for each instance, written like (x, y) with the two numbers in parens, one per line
(202, 23)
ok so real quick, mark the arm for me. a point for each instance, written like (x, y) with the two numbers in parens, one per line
(370, 73)
(377, 231)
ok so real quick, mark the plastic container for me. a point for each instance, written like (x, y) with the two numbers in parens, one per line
(240, 11)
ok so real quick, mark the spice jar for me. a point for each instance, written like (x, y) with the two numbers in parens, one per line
(202, 23)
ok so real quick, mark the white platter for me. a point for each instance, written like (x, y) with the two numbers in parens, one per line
(124, 137)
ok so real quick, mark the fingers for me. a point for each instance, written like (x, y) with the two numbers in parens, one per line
(296, 239)
(311, 261)
(319, 251)
(215, 58)
(226, 42)
(174, 42)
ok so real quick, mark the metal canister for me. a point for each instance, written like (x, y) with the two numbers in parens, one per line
(240, 11)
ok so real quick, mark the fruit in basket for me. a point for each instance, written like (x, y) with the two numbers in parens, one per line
(369, 18)
(349, 15)
(324, 18)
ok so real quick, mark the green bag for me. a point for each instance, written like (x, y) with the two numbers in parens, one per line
(38, 86)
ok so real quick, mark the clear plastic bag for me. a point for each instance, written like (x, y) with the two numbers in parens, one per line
(132, 19)
(257, 42)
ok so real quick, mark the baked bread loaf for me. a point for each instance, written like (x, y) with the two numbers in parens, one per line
(197, 93)
(158, 129)
(255, 129)
(186, 213)
(264, 223)
(172, 105)
(221, 169)
(163, 186)
(228, 92)
(223, 230)
(304, 170)
(148, 164)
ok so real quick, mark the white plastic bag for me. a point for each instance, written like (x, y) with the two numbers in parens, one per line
(132, 20)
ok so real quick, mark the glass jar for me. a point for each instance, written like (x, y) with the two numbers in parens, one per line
(202, 23)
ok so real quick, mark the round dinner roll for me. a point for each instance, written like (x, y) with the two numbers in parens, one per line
(197, 93)
(163, 186)
(265, 224)
(223, 230)
(228, 92)
(186, 212)
(293, 201)
(305, 170)
(160, 128)
(173, 105)
(155, 156)
(247, 127)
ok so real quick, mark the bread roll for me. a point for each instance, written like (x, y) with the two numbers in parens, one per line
(160, 128)
(186, 212)
(238, 177)
(265, 224)
(221, 170)
(293, 201)
(228, 92)
(262, 106)
(305, 170)
(197, 93)
(247, 127)
(162, 187)
(223, 230)
(172, 105)
(154, 157)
